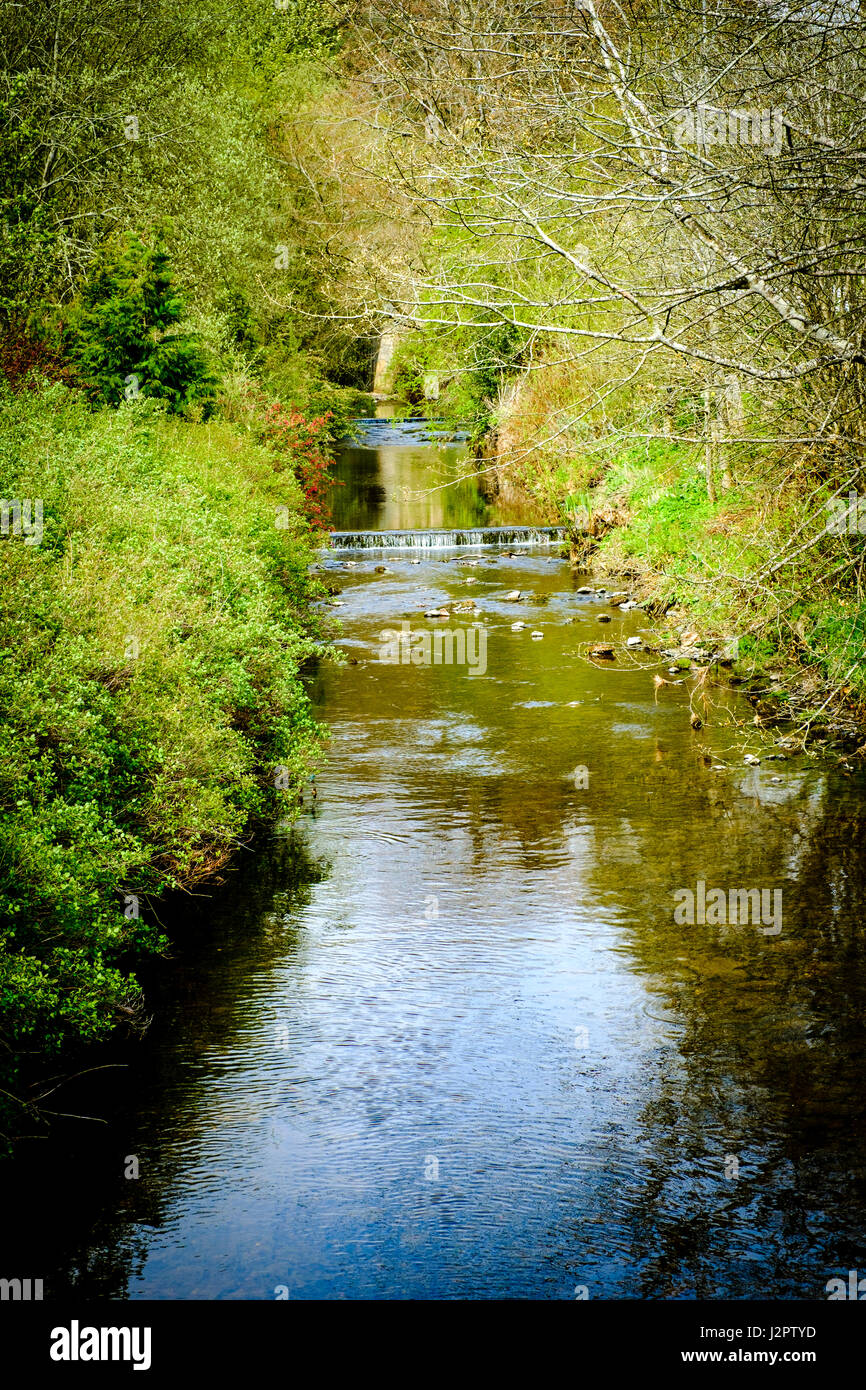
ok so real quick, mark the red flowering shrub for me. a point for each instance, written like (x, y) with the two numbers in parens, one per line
(304, 442)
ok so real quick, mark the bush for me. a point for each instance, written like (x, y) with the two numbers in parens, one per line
(150, 684)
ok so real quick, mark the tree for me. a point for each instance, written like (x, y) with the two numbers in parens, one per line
(667, 182)
(119, 336)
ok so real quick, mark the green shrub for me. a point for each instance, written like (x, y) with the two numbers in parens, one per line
(150, 685)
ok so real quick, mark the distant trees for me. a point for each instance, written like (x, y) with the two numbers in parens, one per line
(118, 116)
(80, 85)
(655, 183)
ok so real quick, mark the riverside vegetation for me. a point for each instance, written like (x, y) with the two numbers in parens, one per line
(209, 217)
(172, 422)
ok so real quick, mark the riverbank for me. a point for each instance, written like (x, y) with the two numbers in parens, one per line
(750, 573)
(157, 610)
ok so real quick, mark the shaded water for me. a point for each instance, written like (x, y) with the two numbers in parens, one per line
(444, 1037)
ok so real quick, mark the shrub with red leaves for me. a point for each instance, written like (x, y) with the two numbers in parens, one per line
(25, 359)
(289, 432)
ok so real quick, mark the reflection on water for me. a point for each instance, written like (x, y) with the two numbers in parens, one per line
(400, 474)
(444, 1038)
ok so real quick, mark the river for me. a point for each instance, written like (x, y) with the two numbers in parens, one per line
(444, 1036)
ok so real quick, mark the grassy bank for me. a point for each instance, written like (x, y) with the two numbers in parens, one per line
(754, 560)
(153, 710)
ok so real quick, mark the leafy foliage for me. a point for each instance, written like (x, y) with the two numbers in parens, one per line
(150, 684)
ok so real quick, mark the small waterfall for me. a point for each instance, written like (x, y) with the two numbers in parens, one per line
(369, 432)
(443, 539)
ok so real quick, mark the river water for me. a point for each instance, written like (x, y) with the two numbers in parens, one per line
(444, 1037)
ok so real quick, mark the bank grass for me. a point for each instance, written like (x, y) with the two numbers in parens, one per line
(723, 565)
(151, 684)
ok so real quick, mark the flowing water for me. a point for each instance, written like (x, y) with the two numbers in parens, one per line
(445, 1036)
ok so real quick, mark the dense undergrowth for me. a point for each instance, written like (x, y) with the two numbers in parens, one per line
(150, 688)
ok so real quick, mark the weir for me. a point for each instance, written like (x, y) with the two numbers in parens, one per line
(444, 538)
(372, 431)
